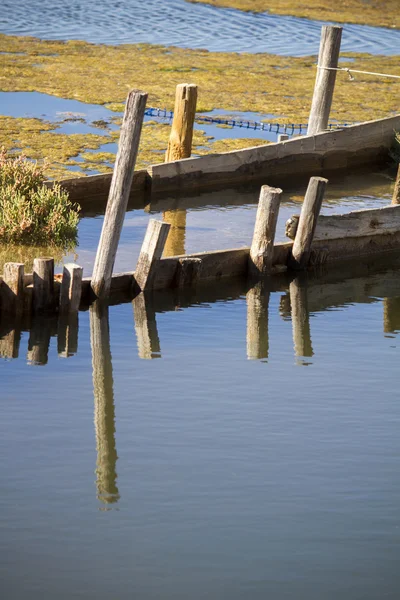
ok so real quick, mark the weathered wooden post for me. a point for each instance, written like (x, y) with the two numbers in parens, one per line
(12, 289)
(262, 246)
(150, 253)
(148, 341)
(328, 58)
(43, 285)
(71, 288)
(300, 318)
(104, 410)
(396, 192)
(180, 140)
(307, 222)
(119, 192)
(257, 338)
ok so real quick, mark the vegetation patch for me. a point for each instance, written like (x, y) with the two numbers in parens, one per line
(31, 212)
(380, 13)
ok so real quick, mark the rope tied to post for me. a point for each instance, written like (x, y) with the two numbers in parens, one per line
(350, 71)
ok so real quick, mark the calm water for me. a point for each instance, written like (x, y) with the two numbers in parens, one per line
(180, 23)
(203, 474)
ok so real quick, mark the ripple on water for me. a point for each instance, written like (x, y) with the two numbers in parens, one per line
(179, 23)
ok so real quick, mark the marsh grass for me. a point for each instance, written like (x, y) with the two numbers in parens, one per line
(30, 212)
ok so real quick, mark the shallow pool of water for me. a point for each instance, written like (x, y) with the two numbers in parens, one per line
(180, 23)
(203, 473)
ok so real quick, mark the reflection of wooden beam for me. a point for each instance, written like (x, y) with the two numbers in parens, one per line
(300, 318)
(146, 327)
(175, 244)
(104, 411)
(391, 315)
(10, 339)
(257, 300)
(67, 336)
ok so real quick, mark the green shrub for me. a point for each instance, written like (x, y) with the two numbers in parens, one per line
(30, 212)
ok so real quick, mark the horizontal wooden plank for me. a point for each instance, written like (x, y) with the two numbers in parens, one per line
(371, 222)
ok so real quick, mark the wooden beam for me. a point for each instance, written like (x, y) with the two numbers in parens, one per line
(150, 253)
(119, 192)
(262, 246)
(376, 221)
(307, 222)
(328, 59)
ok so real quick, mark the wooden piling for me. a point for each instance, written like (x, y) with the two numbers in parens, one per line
(12, 289)
(307, 223)
(150, 253)
(71, 288)
(262, 246)
(43, 285)
(300, 319)
(188, 272)
(119, 192)
(257, 338)
(396, 192)
(148, 342)
(104, 408)
(328, 58)
(180, 140)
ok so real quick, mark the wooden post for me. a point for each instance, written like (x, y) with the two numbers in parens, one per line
(300, 319)
(307, 222)
(262, 246)
(328, 58)
(104, 409)
(148, 341)
(71, 288)
(43, 285)
(282, 137)
(257, 338)
(396, 192)
(119, 192)
(150, 253)
(12, 289)
(67, 335)
(188, 272)
(180, 140)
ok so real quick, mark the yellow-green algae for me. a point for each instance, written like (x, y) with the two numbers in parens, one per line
(261, 83)
(380, 13)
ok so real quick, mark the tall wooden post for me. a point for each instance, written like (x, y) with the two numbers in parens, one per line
(104, 410)
(257, 299)
(119, 192)
(180, 140)
(308, 222)
(262, 246)
(396, 192)
(328, 58)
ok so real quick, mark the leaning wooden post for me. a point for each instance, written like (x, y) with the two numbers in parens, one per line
(262, 246)
(396, 193)
(119, 192)
(180, 140)
(43, 285)
(150, 253)
(308, 222)
(71, 288)
(328, 58)
(12, 289)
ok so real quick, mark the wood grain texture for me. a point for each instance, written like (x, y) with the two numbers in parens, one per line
(43, 285)
(325, 80)
(150, 253)
(119, 192)
(71, 288)
(308, 222)
(396, 191)
(262, 246)
(376, 221)
(180, 140)
(12, 289)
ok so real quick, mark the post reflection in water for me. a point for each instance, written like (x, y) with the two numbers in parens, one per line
(104, 410)
(148, 341)
(257, 300)
(391, 315)
(43, 327)
(10, 337)
(300, 319)
(175, 244)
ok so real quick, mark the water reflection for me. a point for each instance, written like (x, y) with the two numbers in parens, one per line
(148, 342)
(391, 315)
(104, 410)
(175, 244)
(298, 292)
(257, 300)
